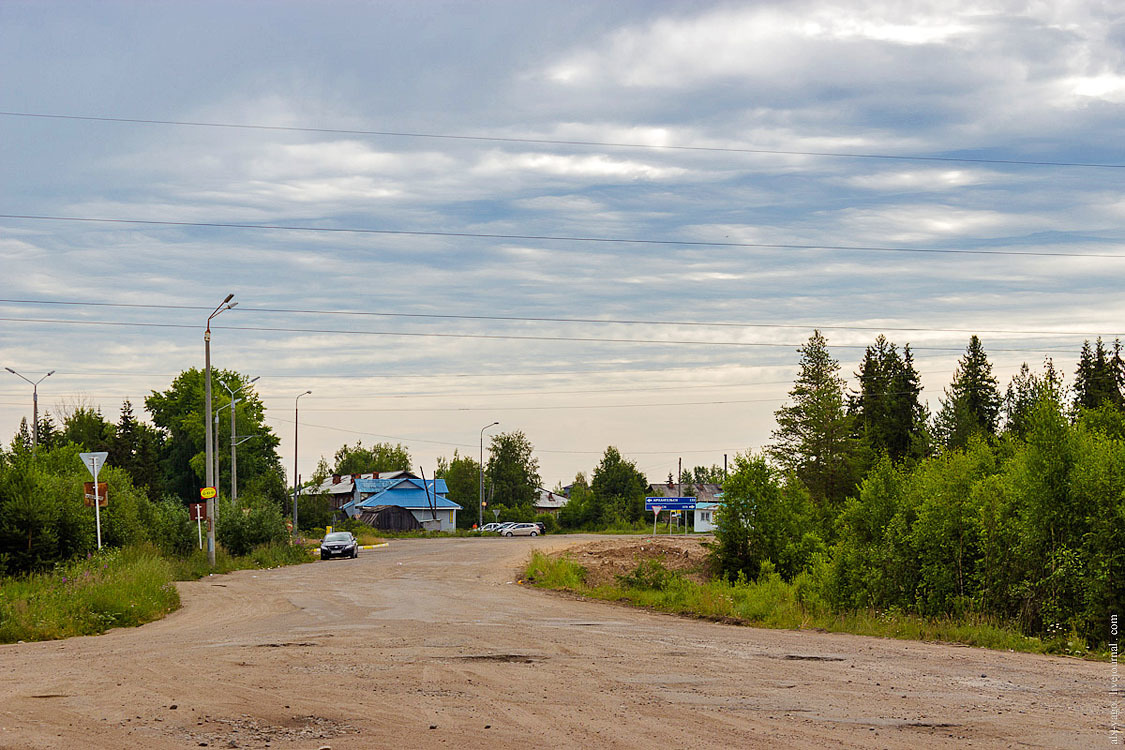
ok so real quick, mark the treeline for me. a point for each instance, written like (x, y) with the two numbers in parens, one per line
(1008, 504)
(152, 471)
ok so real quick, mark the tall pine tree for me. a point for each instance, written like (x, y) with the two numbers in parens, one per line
(971, 405)
(814, 438)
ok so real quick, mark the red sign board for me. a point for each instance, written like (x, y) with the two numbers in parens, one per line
(102, 496)
(207, 492)
(198, 511)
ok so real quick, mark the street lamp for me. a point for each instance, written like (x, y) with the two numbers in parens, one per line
(226, 304)
(233, 434)
(480, 501)
(34, 405)
(296, 424)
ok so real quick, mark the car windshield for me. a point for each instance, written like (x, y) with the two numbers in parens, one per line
(339, 536)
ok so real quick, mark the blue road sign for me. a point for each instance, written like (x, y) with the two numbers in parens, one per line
(670, 503)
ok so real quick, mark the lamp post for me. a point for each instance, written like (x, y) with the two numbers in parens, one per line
(226, 304)
(233, 435)
(296, 425)
(34, 405)
(480, 501)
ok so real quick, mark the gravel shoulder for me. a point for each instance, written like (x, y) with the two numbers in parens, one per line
(432, 643)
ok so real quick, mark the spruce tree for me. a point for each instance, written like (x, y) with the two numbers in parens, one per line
(814, 437)
(890, 418)
(971, 405)
(1100, 377)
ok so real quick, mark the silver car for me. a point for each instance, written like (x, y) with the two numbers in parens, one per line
(521, 529)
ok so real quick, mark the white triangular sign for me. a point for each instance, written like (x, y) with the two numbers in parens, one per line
(93, 461)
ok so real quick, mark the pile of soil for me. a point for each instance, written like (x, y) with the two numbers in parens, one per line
(605, 560)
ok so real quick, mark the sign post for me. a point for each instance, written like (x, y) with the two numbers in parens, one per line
(93, 462)
(657, 504)
(198, 510)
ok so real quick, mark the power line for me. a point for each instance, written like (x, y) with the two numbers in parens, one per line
(558, 238)
(541, 319)
(473, 445)
(564, 142)
(487, 336)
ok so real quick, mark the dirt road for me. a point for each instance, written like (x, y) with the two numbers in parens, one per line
(427, 644)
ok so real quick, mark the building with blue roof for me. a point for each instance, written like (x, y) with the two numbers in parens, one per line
(425, 500)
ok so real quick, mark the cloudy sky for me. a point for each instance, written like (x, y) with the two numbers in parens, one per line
(599, 223)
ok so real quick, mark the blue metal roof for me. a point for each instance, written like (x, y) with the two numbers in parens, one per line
(370, 486)
(413, 498)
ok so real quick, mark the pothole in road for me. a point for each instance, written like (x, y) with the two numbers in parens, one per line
(302, 644)
(811, 657)
(510, 658)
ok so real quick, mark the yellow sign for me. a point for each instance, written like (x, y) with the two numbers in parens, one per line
(207, 493)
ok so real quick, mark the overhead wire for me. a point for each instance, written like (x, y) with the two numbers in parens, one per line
(243, 309)
(563, 142)
(556, 238)
(483, 336)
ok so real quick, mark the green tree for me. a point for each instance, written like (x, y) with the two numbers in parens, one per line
(971, 405)
(619, 488)
(889, 415)
(513, 470)
(357, 459)
(178, 412)
(86, 428)
(1100, 377)
(582, 509)
(1025, 390)
(136, 448)
(814, 438)
(462, 476)
(761, 520)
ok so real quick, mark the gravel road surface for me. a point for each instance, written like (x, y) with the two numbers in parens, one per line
(433, 643)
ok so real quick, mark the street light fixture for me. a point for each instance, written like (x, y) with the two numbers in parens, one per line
(34, 405)
(480, 501)
(233, 436)
(226, 304)
(296, 482)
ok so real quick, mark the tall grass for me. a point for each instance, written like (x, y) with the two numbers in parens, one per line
(114, 588)
(771, 602)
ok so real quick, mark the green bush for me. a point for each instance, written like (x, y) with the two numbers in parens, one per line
(242, 528)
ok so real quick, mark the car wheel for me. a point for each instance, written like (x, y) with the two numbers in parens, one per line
(324, 557)
(507, 533)
(355, 553)
(534, 533)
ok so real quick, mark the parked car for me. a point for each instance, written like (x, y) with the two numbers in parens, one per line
(521, 529)
(542, 527)
(491, 526)
(339, 544)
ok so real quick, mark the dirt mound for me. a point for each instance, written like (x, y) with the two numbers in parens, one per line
(605, 560)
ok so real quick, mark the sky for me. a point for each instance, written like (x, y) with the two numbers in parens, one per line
(597, 223)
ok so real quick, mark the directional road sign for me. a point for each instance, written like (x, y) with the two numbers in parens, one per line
(670, 503)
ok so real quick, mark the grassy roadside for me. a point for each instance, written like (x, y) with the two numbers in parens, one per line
(112, 589)
(772, 603)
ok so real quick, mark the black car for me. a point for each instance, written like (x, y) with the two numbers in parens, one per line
(542, 527)
(339, 544)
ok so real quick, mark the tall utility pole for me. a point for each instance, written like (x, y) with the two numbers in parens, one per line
(226, 304)
(34, 406)
(233, 439)
(296, 479)
(480, 500)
